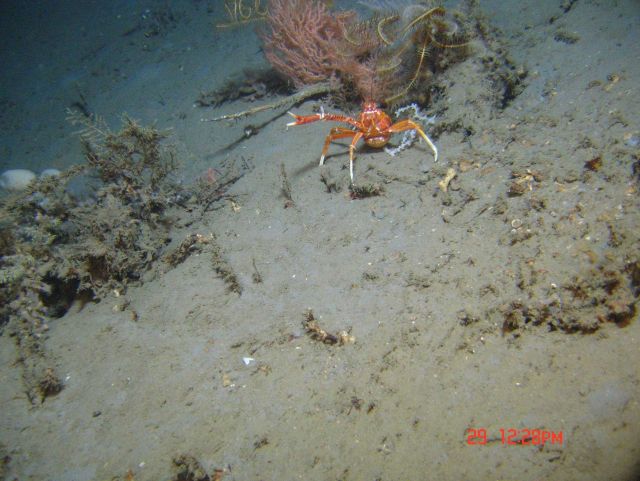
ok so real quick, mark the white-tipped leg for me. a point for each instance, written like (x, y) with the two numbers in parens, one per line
(351, 169)
(352, 149)
(322, 160)
(433, 147)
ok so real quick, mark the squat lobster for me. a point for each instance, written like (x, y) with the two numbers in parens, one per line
(373, 125)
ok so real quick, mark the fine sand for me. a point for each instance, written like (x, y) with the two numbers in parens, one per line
(507, 302)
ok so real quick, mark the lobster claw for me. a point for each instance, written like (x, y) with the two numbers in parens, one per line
(301, 120)
(298, 120)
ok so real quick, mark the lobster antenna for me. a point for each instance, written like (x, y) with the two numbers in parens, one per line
(371, 82)
(371, 88)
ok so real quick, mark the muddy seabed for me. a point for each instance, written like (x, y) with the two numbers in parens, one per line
(508, 301)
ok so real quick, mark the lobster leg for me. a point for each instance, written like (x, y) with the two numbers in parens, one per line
(411, 125)
(335, 134)
(352, 148)
(338, 132)
(341, 133)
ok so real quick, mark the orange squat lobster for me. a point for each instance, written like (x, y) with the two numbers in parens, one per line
(373, 125)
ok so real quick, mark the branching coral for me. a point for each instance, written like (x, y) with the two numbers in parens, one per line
(305, 41)
(382, 58)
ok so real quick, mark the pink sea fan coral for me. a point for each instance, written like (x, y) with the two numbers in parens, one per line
(305, 41)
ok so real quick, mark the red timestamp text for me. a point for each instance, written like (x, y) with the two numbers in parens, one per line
(514, 437)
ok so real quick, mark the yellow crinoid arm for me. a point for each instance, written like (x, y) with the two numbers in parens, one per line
(240, 12)
(433, 11)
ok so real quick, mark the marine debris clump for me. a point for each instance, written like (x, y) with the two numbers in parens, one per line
(285, 187)
(224, 269)
(123, 232)
(85, 233)
(317, 333)
(607, 293)
(193, 243)
(92, 231)
(135, 158)
(366, 190)
(188, 468)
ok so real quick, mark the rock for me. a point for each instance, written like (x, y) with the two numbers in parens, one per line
(16, 179)
(49, 173)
